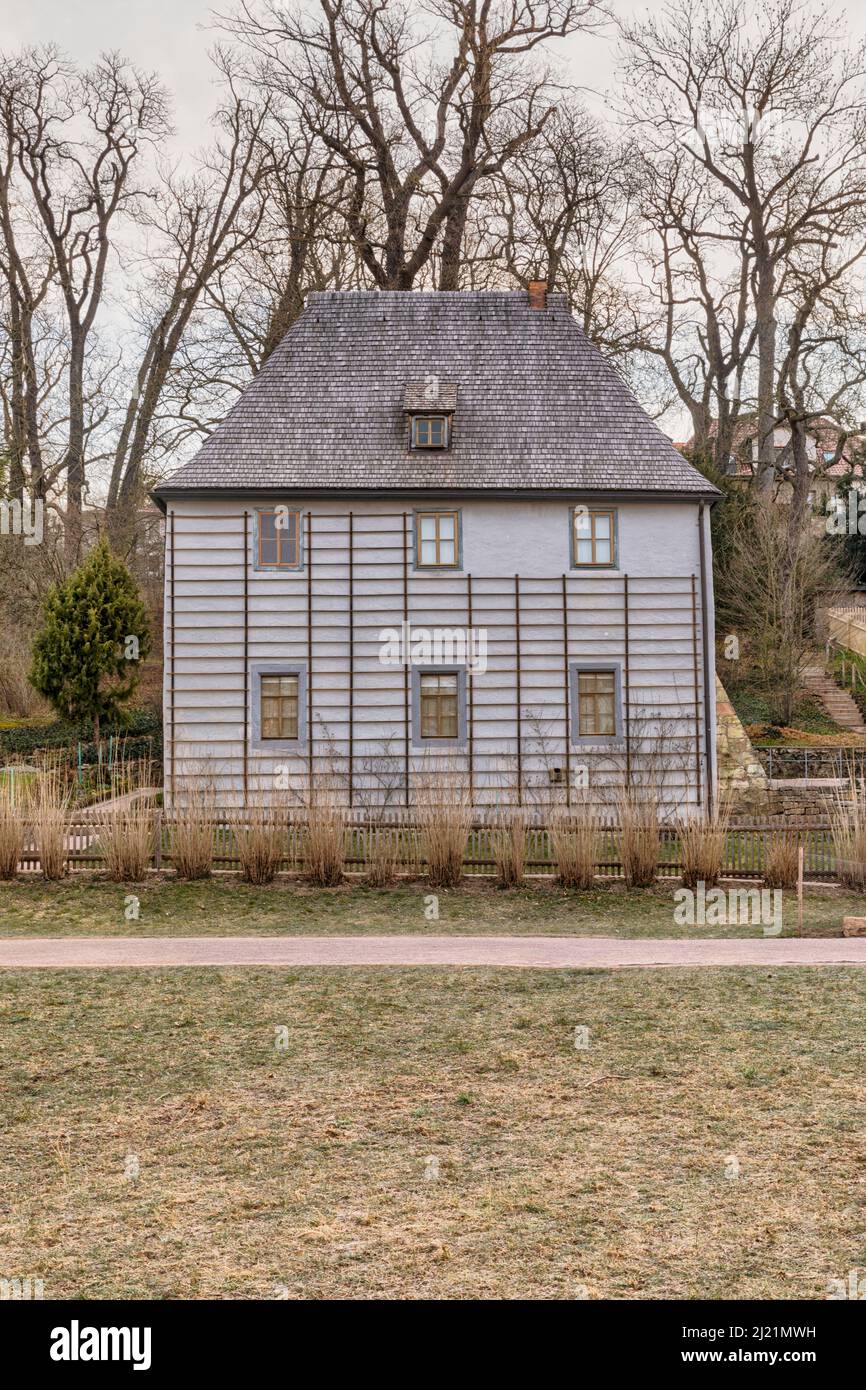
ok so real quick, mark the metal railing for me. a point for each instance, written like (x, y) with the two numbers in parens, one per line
(804, 761)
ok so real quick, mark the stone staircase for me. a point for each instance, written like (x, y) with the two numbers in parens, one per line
(836, 701)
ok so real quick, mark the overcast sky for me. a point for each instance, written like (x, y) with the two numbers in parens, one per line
(173, 37)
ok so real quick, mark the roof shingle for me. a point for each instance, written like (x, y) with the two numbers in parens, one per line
(539, 407)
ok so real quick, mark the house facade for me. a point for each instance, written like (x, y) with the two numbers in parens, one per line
(438, 536)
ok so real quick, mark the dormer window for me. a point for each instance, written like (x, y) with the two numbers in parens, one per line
(430, 405)
(430, 431)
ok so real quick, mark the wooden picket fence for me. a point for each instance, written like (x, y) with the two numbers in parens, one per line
(746, 848)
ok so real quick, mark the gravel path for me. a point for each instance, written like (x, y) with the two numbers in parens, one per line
(540, 952)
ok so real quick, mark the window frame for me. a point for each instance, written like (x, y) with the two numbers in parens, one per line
(259, 669)
(461, 739)
(578, 668)
(282, 715)
(277, 567)
(611, 511)
(457, 562)
(420, 416)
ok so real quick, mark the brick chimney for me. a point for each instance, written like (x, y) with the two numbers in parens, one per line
(538, 294)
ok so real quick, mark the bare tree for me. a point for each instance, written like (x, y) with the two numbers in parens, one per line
(700, 269)
(77, 138)
(566, 210)
(768, 592)
(822, 371)
(202, 222)
(770, 107)
(28, 271)
(416, 133)
(301, 244)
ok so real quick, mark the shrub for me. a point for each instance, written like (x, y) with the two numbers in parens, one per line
(140, 732)
(82, 661)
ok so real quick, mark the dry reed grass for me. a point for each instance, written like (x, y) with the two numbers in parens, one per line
(383, 855)
(12, 835)
(50, 804)
(326, 818)
(444, 818)
(702, 840)
(575, 836)
(848, 829)
(508, 845)
(126, 837)
(781, 859)
(192, 832)
(260, 835)
(639, 835)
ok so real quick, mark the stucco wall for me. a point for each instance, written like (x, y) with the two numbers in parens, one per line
(224, 617)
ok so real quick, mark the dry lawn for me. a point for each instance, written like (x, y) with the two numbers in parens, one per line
(227, 907)
(558, 1173)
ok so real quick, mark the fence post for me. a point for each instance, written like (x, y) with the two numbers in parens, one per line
(157, 850)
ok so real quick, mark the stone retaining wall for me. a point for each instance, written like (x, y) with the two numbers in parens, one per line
(743, 780)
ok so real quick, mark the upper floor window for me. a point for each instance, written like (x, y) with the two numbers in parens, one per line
(278, 539)
(430, 431)
(437, 539)
(594, 537)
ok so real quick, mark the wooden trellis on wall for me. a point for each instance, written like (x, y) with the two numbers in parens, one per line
(356, 581)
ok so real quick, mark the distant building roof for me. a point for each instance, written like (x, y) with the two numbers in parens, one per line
(823, 431)
(536, 405)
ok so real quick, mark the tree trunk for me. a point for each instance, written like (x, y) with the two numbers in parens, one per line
(286, 311)
(452, 245)
(17, 428)
(74, 460)
(765, 309)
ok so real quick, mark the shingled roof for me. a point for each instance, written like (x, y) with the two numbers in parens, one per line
(537, 406)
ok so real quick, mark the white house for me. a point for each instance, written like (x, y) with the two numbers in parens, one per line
(438, 526)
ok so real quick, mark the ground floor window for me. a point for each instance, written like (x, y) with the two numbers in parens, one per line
(596, 703)
(279, 706)
(278, 695)
(439, 706)
(439, 713)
